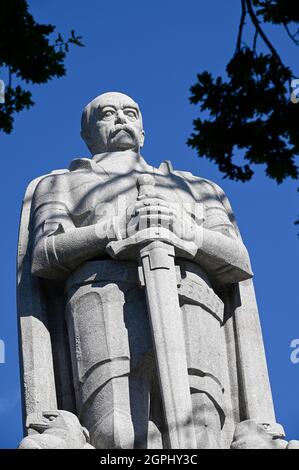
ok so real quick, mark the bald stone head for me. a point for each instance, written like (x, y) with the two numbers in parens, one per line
(112, 122)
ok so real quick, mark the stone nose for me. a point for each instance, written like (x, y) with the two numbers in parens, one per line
(120, 117)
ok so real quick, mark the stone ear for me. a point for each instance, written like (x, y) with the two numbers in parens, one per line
(87, 139)
(142, 138)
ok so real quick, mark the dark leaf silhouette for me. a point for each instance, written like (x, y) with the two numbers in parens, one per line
(251, 109)
(27, 52)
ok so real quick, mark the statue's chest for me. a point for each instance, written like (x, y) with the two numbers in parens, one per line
(97, 197)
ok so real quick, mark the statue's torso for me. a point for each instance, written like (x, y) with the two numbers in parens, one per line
(95, 192)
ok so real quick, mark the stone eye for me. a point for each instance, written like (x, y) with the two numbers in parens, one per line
(108, 114)
(131, 114)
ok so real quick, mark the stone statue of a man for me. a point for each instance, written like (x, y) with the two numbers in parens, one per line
(92, 308)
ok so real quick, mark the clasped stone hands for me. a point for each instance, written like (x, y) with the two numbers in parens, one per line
(153, 210)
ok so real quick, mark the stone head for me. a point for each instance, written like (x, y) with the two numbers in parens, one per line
(112, 122)
(258, 434)
(58, 419)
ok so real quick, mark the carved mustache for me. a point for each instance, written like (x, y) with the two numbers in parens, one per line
(125, 128)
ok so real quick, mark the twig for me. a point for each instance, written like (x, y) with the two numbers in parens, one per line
(256, 24)
(9, 76)
(292, 36)
(255, 40)
(241, 26)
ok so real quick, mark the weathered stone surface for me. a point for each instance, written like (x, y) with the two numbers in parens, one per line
(137, 308)
(55, 429)
(293, 445)
(252, 434)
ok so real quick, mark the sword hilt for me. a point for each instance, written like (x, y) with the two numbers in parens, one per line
(129, 248)
(145, 184)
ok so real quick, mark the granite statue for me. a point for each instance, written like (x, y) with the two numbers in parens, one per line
(136, 302)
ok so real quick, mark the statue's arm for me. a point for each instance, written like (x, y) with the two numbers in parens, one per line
(58, 245)
(57, 254)
(225, 258)
(220, 248)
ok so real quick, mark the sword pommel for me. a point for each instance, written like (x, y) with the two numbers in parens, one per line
(145, 184)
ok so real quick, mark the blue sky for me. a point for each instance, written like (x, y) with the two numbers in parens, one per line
(151, 50)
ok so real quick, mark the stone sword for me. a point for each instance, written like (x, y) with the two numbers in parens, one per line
(156, 248)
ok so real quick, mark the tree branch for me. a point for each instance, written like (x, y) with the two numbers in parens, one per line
(9, 76)
(255, 40)
(292, 36)
(256, 24)
(241, 26)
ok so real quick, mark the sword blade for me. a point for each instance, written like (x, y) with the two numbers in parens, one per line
(159, 274)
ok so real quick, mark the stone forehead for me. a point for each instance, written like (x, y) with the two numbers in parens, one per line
(112, 98)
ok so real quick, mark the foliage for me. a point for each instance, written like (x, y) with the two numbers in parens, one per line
(251, 110)
(26, 51)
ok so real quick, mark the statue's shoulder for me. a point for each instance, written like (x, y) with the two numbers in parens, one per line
(212, 195)
(201, 184)
(49, 182)
(64, 179)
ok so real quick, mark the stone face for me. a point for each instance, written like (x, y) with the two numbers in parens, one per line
(252, 434)
(136, 304)
(55, 429)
